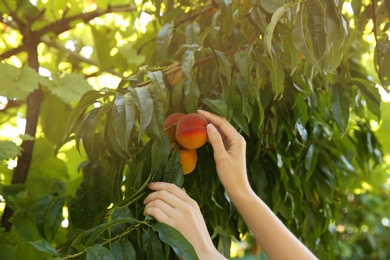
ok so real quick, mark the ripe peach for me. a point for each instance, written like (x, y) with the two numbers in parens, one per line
(169, 125)
(191, 131)
(188, 159)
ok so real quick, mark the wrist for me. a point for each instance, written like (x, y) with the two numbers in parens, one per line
(206, 250)
(210, 254)
(241, 193)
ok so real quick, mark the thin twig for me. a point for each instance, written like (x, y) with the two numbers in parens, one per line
(78, 56)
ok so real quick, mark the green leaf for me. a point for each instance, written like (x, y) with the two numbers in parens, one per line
(290, 51)
(160, 153)
(176, 240)
(18, 83)
(157, 77)
(271, 5)
(54, 116)
(336, 32)
(299, 37)
(143, 101)
(49, 216)
(241, 121)
(224, 66)
(123, 250)
(96, 231)
(277, 75)
(98, 252)
(244, 62)
(371, 95)
(217, 106)
(152, 245)
(173, 171)
(9, 150)
(192, 33)
(123, 119)
(77, 113)
(160, 102)
(316, 30)
(164, 38)
(311, 161)
(70, 87)
(44, 246)
(276, 16)
(87, 128)
(340, 106)
(187, 62)
(191, 92)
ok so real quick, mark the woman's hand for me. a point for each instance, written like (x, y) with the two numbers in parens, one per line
(229, 153)
(171, 205)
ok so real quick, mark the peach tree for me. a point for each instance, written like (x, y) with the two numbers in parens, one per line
(94, 81)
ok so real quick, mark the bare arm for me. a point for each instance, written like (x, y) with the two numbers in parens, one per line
(229, 154)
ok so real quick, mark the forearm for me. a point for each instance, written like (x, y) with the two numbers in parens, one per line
(276, 240)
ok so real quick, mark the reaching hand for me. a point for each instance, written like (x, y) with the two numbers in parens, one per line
(171, 205)
(229, 153)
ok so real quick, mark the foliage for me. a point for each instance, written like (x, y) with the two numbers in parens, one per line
(292, 76)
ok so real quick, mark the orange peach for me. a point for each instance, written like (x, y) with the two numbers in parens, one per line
(191, 131)
(188, 159)
(169, 125)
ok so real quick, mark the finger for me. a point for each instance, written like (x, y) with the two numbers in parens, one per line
(216, 141)
(158, 214)
(170, 188)
(165, 196)
(220, 123)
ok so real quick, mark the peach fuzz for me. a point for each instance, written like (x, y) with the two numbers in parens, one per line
(188, 159)
(169, 125)
(191, 131)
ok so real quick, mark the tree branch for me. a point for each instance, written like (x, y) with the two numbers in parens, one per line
(12, 52)
(63, 25)
(78, 56)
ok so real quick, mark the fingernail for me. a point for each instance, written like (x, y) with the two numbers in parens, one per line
(150, 184)
(211, 128)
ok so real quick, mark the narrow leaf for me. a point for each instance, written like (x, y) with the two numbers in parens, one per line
(141, 98)
(187, 62)
(311, 161)
(299, 37)
(164, 38)
(152, 245)
(173, 171)
(160, 153)
(217, 106)
(176, 240)
(279, 12)
(123, 250)
(340, 106)
(44, 246)
(192, 33)
(98, 252)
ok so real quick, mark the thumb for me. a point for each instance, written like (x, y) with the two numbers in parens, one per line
(216, 140)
